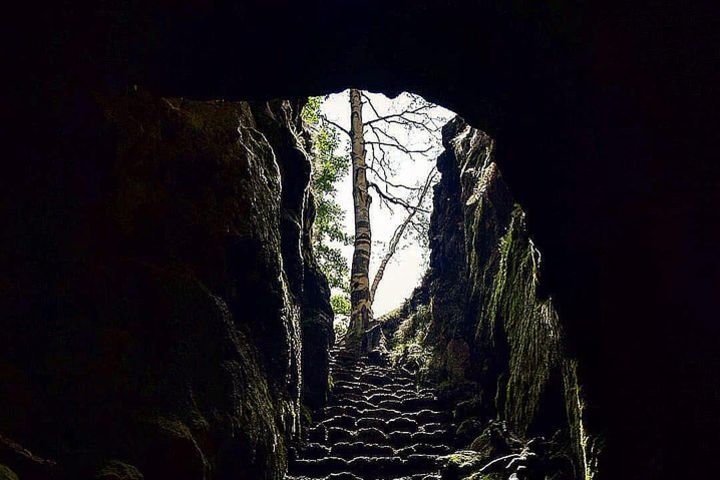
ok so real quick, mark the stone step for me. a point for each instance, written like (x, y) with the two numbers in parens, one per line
(406, 401)
(434, 427)
(406, 439)
(357, 404)
(390, 404)
(360, 449)
(404, 394)
(383, 413)
(379, 424)
(347, 409)
(399, 424)
(344, 421)
(438, 437)
(350, 476)
(339, 396)
(346, 427)
(353, 383)
(424, 448)
(341, 390)
(376, 398)
(402, 424)
(338, 434)
(315, 450)
(430, 416)
(411, 404)
(349, 450)
(372, 422)
(371, 435)
(368, 467)
(420, 403)
(332, 476)
(375, 379)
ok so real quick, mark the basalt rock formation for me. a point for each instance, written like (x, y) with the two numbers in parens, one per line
(169, 340)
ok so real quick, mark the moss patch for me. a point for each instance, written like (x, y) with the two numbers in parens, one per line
(7, 474)
(116, 470)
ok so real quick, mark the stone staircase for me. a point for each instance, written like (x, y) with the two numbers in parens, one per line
(379, 424)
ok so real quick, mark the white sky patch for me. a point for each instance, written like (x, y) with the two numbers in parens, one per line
(408, 265)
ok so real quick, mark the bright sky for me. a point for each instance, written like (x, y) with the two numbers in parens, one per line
(408, 265)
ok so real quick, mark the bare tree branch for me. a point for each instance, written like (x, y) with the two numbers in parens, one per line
(400, 147)
(385, 180)
(415, 111)
(327, 120)
(399, 231)
(406, 122)
(372, 107)
(387, 197)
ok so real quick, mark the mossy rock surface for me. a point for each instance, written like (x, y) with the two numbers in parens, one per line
(7, 474)
(460, 464)
(489, 322)
(117, 470)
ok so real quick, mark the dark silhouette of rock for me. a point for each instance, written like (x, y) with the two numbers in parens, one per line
(605, 116)
(169, 338)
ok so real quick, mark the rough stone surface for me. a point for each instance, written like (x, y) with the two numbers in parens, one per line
(170, 332)
(373, 442)
(605, 114)
(494, 341)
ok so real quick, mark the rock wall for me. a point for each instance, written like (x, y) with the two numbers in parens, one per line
(160, 287)
(605, 116)
(496, 339)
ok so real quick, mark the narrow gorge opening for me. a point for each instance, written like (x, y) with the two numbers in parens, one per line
(467, 376)
(222, 295)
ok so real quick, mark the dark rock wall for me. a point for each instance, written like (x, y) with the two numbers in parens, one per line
(490, 327)
(168, 337)
(306, 281)
(605, 116)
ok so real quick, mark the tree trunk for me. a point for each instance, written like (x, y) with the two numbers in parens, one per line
(360, 301)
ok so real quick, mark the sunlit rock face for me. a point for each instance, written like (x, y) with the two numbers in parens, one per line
(169, 339)
(493, 336)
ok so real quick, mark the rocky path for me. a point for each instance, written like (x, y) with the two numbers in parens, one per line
(379, 424)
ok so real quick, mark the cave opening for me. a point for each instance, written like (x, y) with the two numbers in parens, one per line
(204, 213)
(162, 313)
(468, 375)
(402, 139)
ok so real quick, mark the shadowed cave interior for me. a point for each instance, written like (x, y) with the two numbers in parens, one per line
(163, 313)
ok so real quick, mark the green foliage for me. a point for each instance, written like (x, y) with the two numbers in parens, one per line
(340, 304)
(328, 168)
(408, 344)
(311, 112)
